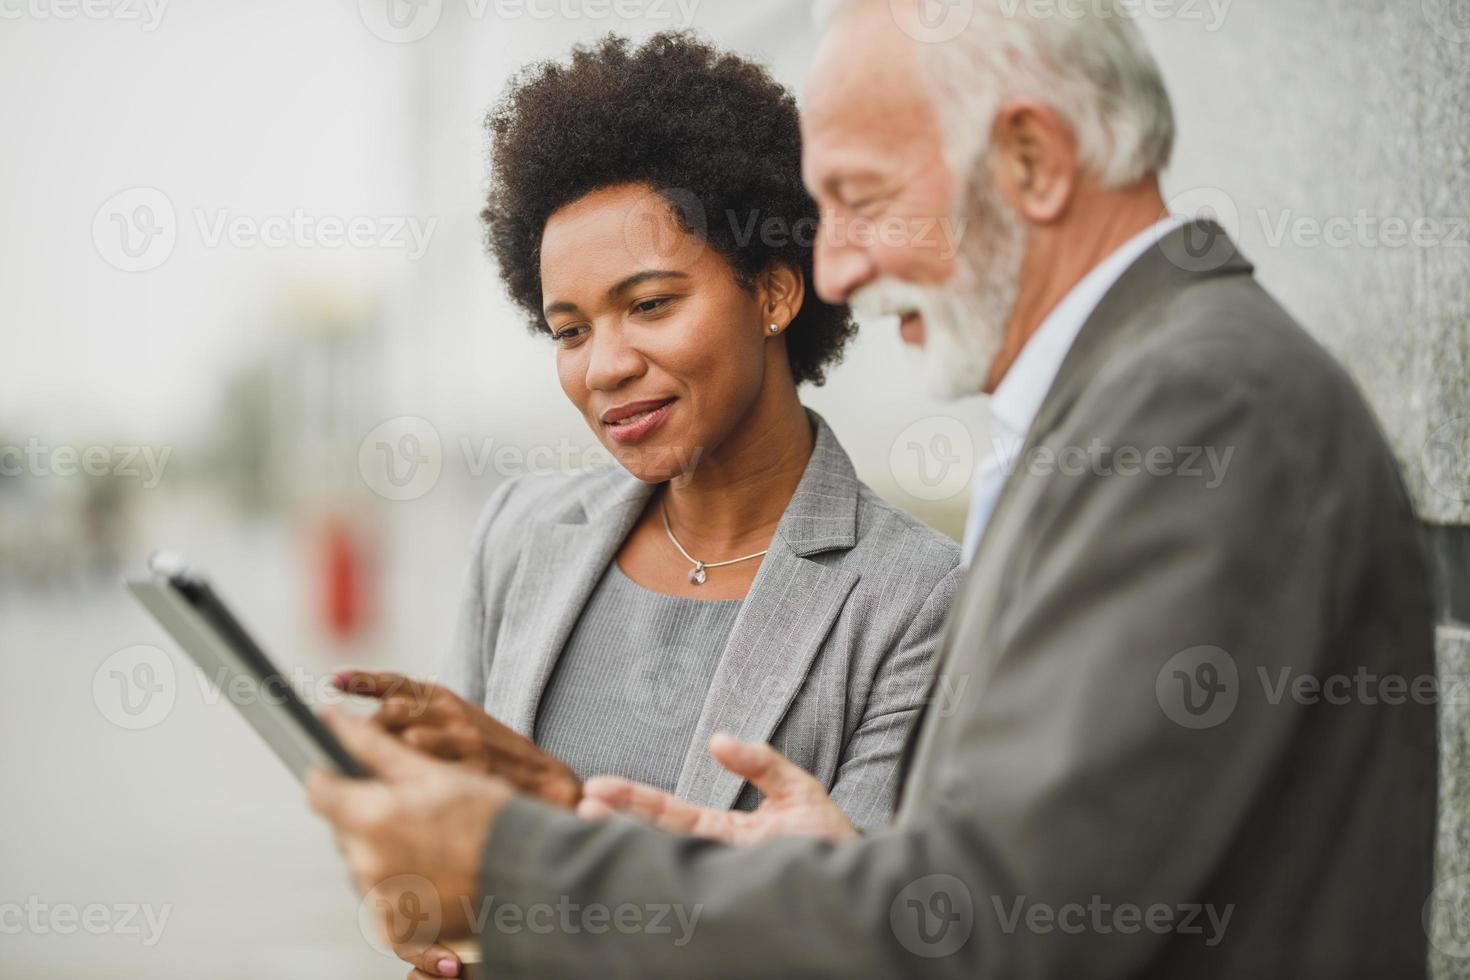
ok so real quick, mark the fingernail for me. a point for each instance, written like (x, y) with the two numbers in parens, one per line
(340, 678)
(448, 967)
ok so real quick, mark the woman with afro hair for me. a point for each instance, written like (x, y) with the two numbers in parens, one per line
(732, 575)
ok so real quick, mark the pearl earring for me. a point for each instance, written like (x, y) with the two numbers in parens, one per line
(775, 328)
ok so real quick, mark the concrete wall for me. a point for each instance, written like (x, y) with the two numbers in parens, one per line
(1347, 116)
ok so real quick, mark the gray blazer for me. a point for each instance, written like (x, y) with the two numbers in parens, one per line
(1125, 788)
(829, 659)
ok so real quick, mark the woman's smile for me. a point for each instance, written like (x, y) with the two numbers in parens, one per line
(635, 421)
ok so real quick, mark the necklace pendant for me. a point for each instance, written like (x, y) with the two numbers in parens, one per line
(696, 574)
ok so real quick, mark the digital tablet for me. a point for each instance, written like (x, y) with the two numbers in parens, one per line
(185, 605)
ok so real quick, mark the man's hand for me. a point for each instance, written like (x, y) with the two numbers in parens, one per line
(796, 804)
(413, 836)
(434, 719)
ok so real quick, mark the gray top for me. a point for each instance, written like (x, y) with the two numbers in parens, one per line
(628, 688)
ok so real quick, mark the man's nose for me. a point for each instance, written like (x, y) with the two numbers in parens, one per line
(612, 360)
(841, 267)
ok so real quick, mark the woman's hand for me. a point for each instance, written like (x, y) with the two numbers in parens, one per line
(431, 963)
(795, 804)
(437, 721)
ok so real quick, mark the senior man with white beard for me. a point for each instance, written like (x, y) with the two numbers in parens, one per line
(1132, 780)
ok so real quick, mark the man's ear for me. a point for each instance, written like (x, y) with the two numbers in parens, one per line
(782, 290)
(1036, 160)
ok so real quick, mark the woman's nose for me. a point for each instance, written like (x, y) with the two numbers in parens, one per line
(613, 361)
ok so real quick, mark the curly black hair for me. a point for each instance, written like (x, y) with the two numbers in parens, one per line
(699, 126)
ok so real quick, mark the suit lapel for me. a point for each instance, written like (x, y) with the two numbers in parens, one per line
(787, 614)
(1126, 311)
(1180, 258)
(1184, 256)
(561, 563)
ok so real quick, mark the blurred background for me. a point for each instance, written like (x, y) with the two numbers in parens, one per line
(245, 314)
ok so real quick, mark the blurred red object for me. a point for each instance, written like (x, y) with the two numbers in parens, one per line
(344, 579)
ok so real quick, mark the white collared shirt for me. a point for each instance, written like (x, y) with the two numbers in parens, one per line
(1020, 393)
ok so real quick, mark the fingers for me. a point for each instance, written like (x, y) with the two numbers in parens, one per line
(326, 793)
(653, 806)
(398, 711)
(375, 748)
(404, 701)
(378, 683)
(435, 961)
(418, 974)
(594, 810)
(604, 796)
(340, 800)
(452, 744)
(615, 792)
(766, 769)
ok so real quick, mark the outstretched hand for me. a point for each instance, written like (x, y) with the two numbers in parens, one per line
(795, 804)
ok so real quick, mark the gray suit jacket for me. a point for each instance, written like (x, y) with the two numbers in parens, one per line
(1127, 787)
(830, 656)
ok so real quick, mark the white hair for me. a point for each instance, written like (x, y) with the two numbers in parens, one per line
(1088, 61)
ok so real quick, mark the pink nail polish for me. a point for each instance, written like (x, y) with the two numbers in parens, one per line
(448, 967)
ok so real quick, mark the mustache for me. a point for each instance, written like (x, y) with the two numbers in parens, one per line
(892, 297)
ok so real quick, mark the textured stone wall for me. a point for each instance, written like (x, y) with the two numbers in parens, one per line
(1335, 136)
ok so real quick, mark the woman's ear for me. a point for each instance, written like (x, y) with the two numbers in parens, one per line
(1036, 160)
(782, 291)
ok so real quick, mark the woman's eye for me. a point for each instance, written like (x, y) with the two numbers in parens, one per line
(566, 334)
(652, 305)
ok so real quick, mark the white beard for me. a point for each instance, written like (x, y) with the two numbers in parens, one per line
(965, 319)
